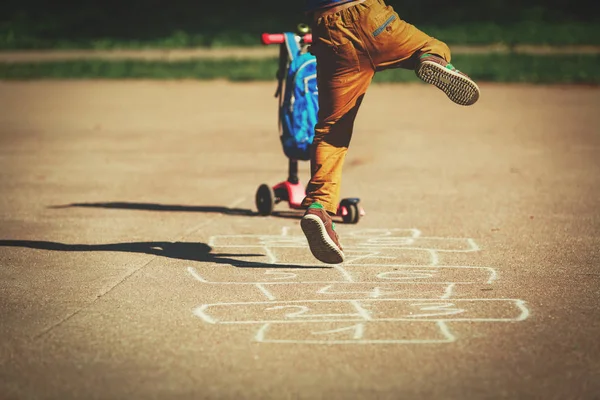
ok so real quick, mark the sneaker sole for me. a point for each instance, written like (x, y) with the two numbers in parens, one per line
(321, 245)
(457, 87)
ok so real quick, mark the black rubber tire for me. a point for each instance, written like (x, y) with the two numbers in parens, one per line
(353, 214)
(265, 200)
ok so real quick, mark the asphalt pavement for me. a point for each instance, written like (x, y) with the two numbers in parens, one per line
(133, 264)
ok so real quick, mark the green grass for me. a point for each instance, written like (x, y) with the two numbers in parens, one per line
(177, 40)
(231, 69)
(527, 32)
(482, 67)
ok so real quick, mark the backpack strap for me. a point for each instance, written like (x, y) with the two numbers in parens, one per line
(285, 58)
(293, 47)
(283, 61)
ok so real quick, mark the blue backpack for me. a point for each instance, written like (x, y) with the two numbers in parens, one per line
(299, 102)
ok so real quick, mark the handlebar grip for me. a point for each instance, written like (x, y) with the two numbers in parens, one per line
(279, 38)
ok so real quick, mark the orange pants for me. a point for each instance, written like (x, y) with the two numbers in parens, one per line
(350, 46)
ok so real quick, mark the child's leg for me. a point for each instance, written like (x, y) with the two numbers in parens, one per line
(338, 106)
(392, 42)
(344, 73)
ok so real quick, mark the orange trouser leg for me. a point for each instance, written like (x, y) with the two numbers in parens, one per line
(332, 138)
(393, 42)
(344, 74)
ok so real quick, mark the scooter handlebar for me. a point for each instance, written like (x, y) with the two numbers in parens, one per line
(279, 38)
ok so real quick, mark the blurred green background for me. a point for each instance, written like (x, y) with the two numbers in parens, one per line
(186, 24)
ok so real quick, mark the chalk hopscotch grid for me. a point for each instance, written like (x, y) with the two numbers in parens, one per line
(369, 243)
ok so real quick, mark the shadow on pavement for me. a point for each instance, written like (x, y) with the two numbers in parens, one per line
(200, 252)
(163, 207)
(292, 214)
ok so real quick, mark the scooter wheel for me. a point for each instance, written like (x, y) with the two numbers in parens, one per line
(353, 214)
(265, 200)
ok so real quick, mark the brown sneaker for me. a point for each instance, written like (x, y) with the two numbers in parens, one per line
(458, 86)
(322, 238)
